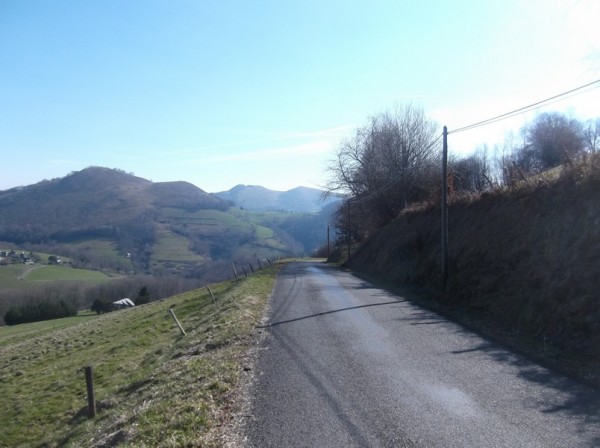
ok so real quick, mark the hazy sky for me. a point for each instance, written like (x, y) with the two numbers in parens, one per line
(224, 92)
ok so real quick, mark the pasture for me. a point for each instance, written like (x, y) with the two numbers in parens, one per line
(153, 385)
(21, 276)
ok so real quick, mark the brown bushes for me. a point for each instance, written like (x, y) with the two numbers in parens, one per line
(526, 259)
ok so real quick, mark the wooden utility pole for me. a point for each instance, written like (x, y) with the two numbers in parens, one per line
(348, 228)
(445, 210)
(328, 247)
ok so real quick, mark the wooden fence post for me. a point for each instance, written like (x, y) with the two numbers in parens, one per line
(212, 296)
(89, 382)
(251, 268)
(259, 265)
(234, 270)
(176, 321)
(245, 273)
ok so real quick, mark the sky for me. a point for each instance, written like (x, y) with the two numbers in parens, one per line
(220, 93)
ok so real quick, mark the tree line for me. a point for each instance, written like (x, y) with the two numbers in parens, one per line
(78, 295)
(394, 160)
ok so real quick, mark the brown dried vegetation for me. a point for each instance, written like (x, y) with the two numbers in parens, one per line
(524, 263)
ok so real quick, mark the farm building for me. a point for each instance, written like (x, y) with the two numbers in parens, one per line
(124, 303)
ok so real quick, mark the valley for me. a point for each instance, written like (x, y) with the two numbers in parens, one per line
(112, 228)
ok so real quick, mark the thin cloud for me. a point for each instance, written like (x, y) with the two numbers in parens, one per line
(317, 136)
(286, 152)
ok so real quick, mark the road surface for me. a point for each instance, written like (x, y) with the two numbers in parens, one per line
(346, 364)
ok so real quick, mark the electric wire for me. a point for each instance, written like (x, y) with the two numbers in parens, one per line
(576, 91)
(551, 100)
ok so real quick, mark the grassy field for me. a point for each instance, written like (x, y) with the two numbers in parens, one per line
(20, 276)
(23, 277)
(44, 273)
(154, 386)
(173, 247)
(104, 249)
(9, 275)
(19, 333)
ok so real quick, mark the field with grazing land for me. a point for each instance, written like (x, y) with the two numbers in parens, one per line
(173, 248)
(19, 333)
(63, 273)
(101, 249)
(21, 276)
(153, 385)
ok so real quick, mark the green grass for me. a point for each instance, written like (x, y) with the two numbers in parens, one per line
(264, 233)
(104, 249)
(154, 387)
(259, 217)
(17, 333)
(20, 276)
(211, 222)
(174, 247)
(9, 276)
(46, 273)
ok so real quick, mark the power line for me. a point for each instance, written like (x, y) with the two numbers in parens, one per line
(528, 108)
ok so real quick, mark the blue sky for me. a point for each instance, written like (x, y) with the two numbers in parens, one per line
(219, 93)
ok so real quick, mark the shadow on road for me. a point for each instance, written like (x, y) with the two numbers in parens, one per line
(571, 397)
(274, 324)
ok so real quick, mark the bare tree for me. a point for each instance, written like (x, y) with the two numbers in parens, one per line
(386, 164)
(474, 173)
(592, 135)
(551, 140)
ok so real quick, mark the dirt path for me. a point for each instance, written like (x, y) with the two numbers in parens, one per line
(28, 271)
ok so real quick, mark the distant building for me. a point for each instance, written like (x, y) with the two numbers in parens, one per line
(124, 303)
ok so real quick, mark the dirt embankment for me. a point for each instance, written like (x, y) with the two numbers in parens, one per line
(524, 265)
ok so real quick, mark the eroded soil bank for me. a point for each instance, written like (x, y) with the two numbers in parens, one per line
(524, 265)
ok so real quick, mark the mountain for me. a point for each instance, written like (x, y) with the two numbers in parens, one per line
(257, 198)
(109, 219)
(91, 199)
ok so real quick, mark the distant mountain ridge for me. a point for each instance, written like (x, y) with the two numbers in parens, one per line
(107, 218)
(257, 198)
(92, 198)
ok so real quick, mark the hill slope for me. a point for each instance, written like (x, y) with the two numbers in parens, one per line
(93, 200)
(153, 387)
(524, 262)
(106, 218)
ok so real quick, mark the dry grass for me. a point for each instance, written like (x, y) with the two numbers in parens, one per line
(524, 263)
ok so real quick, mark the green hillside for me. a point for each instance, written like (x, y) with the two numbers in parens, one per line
(154, 387)
(104, 219)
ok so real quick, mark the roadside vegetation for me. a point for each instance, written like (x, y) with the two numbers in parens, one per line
(523, 244)
(153, 385)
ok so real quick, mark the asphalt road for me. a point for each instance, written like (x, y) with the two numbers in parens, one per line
(346, 364)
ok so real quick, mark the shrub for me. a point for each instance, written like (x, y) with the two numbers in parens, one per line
(101, 306)
(143, 296)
